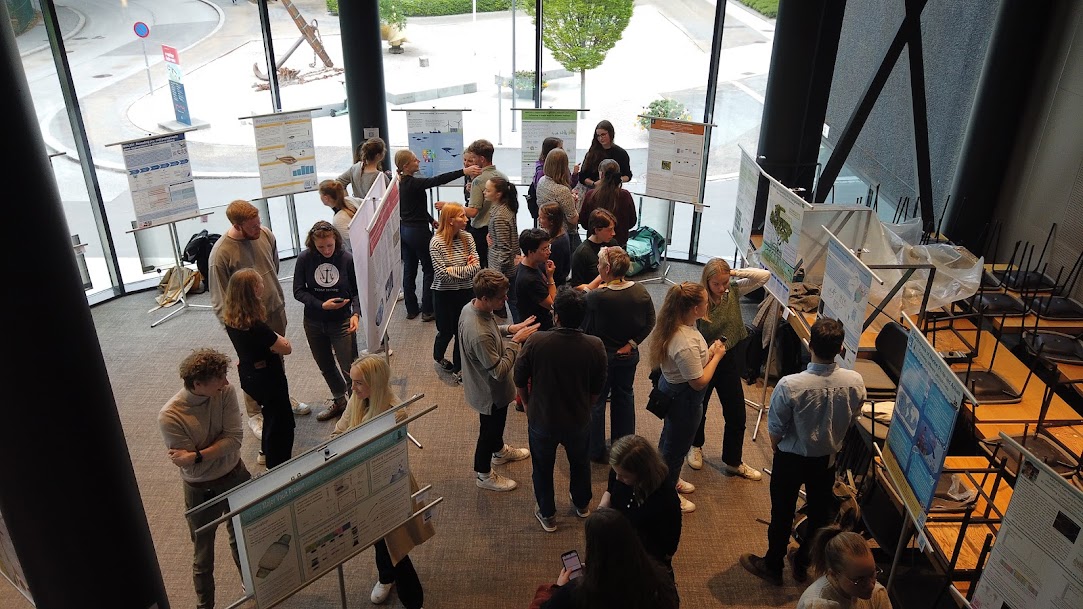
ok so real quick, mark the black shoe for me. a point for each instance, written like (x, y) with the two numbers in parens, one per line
(757, 566)
(445, 365)
(413, 315)
(427, 317)
(800, 572)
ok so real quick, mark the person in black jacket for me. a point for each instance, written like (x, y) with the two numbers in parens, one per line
(415, 229)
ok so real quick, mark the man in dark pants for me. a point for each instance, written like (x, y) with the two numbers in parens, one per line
(477, 209)
(809, 414)
(558, 375)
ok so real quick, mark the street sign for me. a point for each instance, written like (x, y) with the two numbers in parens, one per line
(141, 29)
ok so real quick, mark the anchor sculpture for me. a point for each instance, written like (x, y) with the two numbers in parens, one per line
(310, 33)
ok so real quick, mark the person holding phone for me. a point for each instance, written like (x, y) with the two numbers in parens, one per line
(724, 322)
(617, 572)
(325, 283)
(621, 313)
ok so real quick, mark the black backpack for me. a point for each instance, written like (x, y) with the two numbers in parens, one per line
(198, 251)
(532, 200)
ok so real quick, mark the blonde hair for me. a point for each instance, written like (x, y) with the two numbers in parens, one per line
(445, 230)
(556, 166)
(243, 308)
(337, 191)
(637, 456)
(832, 548)
(714, 266)
(402, 157)
(680, 299)
(377, 377)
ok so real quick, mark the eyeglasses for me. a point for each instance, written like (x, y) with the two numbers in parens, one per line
(866, 578)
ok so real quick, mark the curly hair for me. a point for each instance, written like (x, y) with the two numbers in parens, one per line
(203, 366)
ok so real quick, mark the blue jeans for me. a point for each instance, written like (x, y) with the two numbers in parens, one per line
(543, 456)
(414, 247)
(334, 348)
(679, 426)
(620, 376)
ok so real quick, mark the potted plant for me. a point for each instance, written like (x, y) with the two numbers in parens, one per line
(392, 23)
(332, 7)
(523, 84)
(663, 108)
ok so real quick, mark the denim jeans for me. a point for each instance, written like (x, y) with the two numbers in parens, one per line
(679, 426)
(620, 376)
(414, 247)
(543, 455)
(203, 558)
(334, 348)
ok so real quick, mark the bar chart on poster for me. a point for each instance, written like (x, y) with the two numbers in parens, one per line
(286, 153)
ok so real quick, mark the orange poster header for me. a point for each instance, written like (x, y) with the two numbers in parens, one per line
(665, 124)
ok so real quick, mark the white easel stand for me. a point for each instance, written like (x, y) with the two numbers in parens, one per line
(665, 255)
(177, 260)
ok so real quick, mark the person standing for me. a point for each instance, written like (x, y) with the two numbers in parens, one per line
(260, 352)
(610, 195)
(558, 375)
(325, 283)
(553, 188)
(551, 219)
(455, 262)
(686, 365)
(724, 319)
(333, 195)
(201, 427)
(600, 233)
(373, 396)
(620, 313)
(602, 147)
(478, 208)
(503, 231)
(488, 370)
(534, 286)
(368, 164)
(809, 415)
(248, 245)
(415, 229)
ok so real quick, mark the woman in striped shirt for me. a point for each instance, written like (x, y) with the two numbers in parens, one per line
(454, 262)
(503, 230)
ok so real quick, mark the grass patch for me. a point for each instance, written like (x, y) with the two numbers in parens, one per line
(767, 8)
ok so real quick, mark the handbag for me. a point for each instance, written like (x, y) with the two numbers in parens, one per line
(659, 403)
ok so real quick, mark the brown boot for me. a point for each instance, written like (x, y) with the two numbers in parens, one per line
(334, 411)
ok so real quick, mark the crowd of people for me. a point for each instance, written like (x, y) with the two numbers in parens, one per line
(542, 320)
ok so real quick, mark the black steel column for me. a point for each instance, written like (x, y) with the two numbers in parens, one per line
(363, 61)
(802, 66)
(67, 490)
(708, 117)
(1012, 61)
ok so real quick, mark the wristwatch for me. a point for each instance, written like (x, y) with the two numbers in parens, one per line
(199, 456)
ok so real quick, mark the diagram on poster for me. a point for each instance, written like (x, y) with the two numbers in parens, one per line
(160, 179)
(748, 184)
(1037, 561)
(286, 153)
(781, 233)
(844, 296)
(675, 167)
(926, 407)
(540, 123)
(374, 231)
(436, 138)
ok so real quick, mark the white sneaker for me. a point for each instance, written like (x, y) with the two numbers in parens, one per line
(685, 487)
(390, 352)
(255, 423)
(686, 505)
(495, 482)
(401, 296)
(695, 457)
(262, 458)
(741, 470)
(509, 454)
(381, 592)
(299, 408)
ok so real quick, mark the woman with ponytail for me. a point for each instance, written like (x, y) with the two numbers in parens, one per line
(611, 196)
(333, 195)
(503, 237)
(368, 163)
(847, 573)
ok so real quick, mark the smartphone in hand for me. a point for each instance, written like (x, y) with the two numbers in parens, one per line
(338, 300)
(571, 562)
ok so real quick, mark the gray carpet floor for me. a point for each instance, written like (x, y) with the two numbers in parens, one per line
(489, 550)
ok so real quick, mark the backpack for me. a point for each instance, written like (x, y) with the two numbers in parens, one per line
(645, 247)
(532, 199)
(198, 250)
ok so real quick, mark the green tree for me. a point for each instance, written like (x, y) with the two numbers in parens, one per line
(579, 33)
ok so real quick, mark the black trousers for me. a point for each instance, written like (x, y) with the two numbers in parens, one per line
(726, 382)
(403, 575)
(481, 243)
(789, 471)
(447, 305)
(490, 437)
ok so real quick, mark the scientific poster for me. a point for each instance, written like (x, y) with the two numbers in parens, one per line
(926, 407)
(160, 179)
(781, 233)
(436, 138)
(374, 233)
(748, 183)
(286, 153)
(844, 296)
(538, 124)
(1037, 561)
(675, 160)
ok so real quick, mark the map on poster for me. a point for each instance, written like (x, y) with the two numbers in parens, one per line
(675, 167)
(1037, 561)
(926, 407)
(844, 296)
(377, 258)
(307, 527)
(781, 233)
(748, 184)
(160, 179)
(436, 138)
(538, 124)
(286, 153)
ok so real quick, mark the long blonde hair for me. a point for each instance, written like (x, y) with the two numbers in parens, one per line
(243, 308)
(713, 267)
(446, 231)
(680, 299)
(377, 375)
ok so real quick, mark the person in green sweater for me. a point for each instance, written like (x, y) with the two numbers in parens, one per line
(724, 322)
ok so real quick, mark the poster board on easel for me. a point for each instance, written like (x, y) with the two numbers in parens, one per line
(159, 178)
(676, 167)
(436, 139)
(374, 233)
(285, 152)
(844, 295)
(748, 180)
(540, 123)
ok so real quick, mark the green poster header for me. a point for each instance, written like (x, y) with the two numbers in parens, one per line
(541, 114)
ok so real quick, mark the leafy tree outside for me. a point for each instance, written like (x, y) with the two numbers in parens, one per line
(579, 33)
